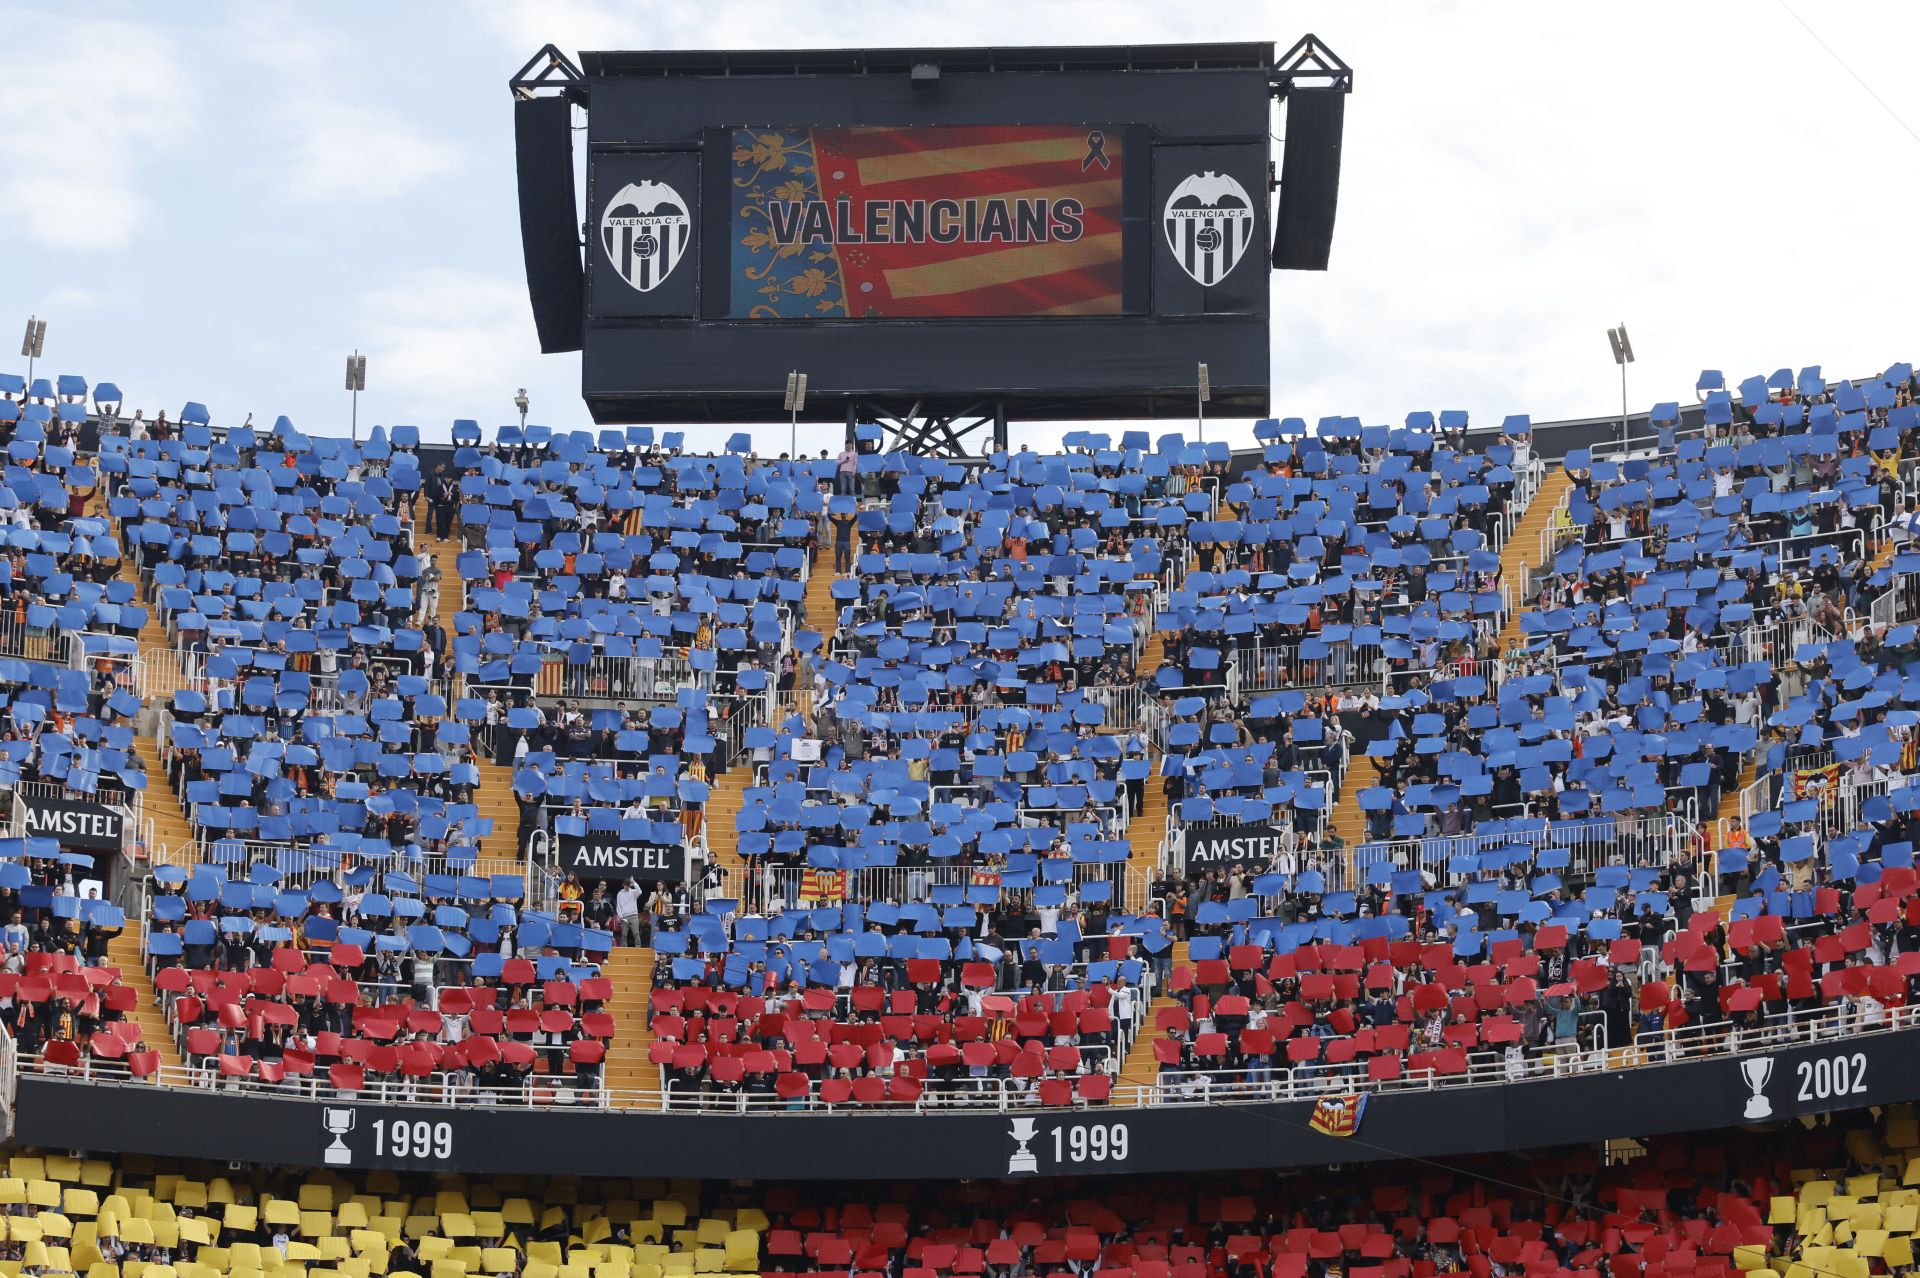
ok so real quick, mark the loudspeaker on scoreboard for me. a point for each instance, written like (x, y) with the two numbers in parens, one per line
(1309, 179)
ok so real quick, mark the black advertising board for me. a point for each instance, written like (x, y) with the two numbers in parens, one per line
(1252, 845)
(1067, 233)
(1698, 1094)
(604, 854)
(90, 827)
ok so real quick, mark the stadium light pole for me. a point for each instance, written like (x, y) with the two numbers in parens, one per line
(520, 402)
(796, 401)
(356, 382)
(1202, 394)
(34, 344)
(1623, 356)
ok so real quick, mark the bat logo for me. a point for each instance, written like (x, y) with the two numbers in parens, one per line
(1209, 222)
(644, 230)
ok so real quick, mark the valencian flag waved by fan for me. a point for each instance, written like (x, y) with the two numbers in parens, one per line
(1817, 783)
(1338, 1115)
(823, 886)
(998, 220)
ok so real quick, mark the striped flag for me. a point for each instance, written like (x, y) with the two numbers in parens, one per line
(823, 887)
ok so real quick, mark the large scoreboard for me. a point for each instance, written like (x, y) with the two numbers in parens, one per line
(1066, 232)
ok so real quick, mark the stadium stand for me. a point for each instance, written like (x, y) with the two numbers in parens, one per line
(1833, 1200)
(1566, 767)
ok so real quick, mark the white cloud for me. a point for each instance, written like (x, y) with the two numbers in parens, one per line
(91, 114)
(333, 136)
(1516, 178)
(440, 339)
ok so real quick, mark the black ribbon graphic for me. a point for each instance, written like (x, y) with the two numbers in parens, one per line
(1096, 150)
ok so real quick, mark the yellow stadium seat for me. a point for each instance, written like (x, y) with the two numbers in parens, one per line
(669, 1212)
(27, 1166)
(280, 1211)
(316, 1224)
(499, 1260)
(43, 1193)
(12, 1190)
(189, 1193)
(298, 1250)
(751, 1218)
(54, 1224)
(517, 1211)
(96, 1172)
(437, 1247)
(316, 1196)
(1897, 1252)
(219, 1190)
(80, 1202)
(448, 1269)
(240, 1216)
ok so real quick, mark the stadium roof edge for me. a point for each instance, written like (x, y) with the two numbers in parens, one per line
(1247, 56)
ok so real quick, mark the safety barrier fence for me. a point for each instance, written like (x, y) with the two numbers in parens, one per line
(1698, 1041)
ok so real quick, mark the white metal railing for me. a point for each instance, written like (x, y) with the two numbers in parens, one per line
(9, 1082)
(34, 643)
(1699, 1041)
(1591, 844)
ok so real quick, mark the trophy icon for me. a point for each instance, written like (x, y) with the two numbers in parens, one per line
(1023, 1162)
(338, 1123)
(1757, 1071)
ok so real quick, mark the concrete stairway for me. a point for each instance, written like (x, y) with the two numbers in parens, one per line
(1348, 821)
(494, 796)
(1521, 555)
(1730, 801)
(162, 804)
(1140, 1068)
(627, 1068)
(123, 952)
(724, 801)
(1144, 834)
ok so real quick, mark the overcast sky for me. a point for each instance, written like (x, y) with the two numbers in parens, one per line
(218, 201)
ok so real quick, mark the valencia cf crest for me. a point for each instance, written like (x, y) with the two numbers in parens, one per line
(1338, 1115)
(644, 230)
(1209, 221)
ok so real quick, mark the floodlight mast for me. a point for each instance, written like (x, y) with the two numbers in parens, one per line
(1623, 356)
